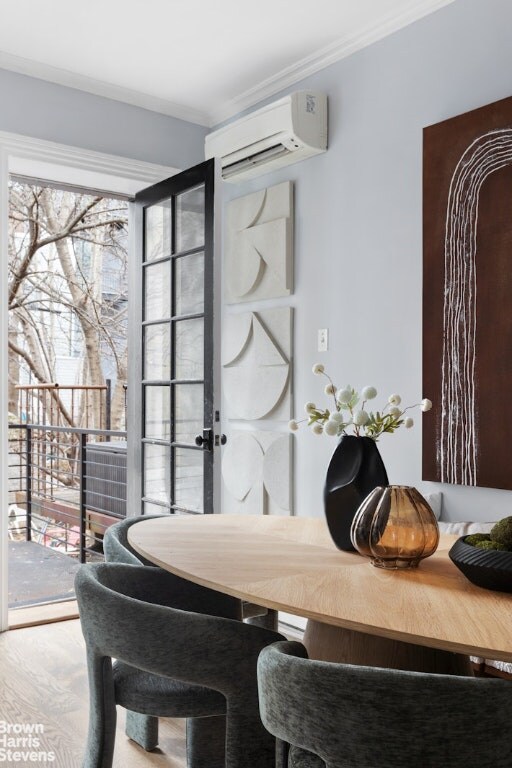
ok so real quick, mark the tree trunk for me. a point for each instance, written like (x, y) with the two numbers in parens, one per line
(118, 412)
(84, 301)
(14, 378)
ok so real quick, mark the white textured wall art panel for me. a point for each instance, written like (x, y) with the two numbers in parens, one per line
(259, 245)
(257, 473)
(256, 355)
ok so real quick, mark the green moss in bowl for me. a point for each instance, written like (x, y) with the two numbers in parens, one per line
(499, 539)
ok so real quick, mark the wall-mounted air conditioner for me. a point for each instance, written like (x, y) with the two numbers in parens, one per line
(284, 132)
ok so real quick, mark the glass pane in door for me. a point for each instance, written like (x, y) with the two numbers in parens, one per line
(188, 412)
(157, 473)
(157, 294)
(158, 231)
(190, 219)
(157, 352)
(189, 283)
(157, 413)
(189, 345)
(188, 479)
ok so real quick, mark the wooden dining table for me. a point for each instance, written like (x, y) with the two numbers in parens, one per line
(430, 618)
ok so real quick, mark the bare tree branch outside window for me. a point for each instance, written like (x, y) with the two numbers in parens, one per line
(67, 296)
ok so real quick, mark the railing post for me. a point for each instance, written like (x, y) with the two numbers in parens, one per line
(29, 485)
(83, 448)
(108, 404)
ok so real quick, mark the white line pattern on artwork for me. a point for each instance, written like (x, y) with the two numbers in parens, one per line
(458, 450)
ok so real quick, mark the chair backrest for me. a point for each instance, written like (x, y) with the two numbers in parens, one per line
(125, 613)
(116, 547)
(193, 597)
(360, 717)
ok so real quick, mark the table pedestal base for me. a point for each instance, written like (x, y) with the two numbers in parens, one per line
(328, 643)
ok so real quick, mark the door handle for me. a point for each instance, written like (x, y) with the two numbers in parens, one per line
(205, 441)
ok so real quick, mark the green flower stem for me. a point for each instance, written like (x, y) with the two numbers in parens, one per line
(334, 387)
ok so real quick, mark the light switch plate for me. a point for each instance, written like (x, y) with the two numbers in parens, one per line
(323, 340)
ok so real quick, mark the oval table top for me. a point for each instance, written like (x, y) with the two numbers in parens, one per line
(291, 564)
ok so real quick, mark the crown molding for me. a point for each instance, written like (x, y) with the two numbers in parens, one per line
(69, 79)
(332, 53)
(322, 58)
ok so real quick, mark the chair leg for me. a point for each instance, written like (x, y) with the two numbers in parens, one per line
(248, 743)
(268, 620)
(143, 729)
(102, 714)
(282, 751)
(206, 742)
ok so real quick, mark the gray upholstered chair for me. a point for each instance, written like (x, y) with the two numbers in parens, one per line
(170, 661)
(140, 727)
(345, 716)
(117, 549)
(143, 728)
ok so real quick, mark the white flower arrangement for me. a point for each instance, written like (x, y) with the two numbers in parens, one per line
(350, 411)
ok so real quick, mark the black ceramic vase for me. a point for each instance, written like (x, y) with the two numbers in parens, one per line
(355, 469)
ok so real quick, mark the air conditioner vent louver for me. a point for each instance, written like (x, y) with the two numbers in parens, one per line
(265, 156)
(284, 132)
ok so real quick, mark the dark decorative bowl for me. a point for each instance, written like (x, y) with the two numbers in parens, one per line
(489, 569)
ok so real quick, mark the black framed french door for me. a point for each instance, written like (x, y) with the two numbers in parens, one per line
(174, 250)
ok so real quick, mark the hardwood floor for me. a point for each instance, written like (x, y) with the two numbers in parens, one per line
(43, 679)
(43, 614)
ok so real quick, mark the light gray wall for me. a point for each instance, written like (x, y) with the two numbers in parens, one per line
(43, 110)
(358, 227)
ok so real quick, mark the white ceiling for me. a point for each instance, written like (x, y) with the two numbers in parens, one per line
(202, 60)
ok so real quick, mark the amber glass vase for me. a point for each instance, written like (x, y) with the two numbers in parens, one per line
(395, 527)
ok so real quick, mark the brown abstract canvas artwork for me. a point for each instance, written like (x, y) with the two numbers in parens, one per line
(467, 297)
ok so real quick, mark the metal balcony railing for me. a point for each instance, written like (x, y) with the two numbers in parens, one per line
(66, 486)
